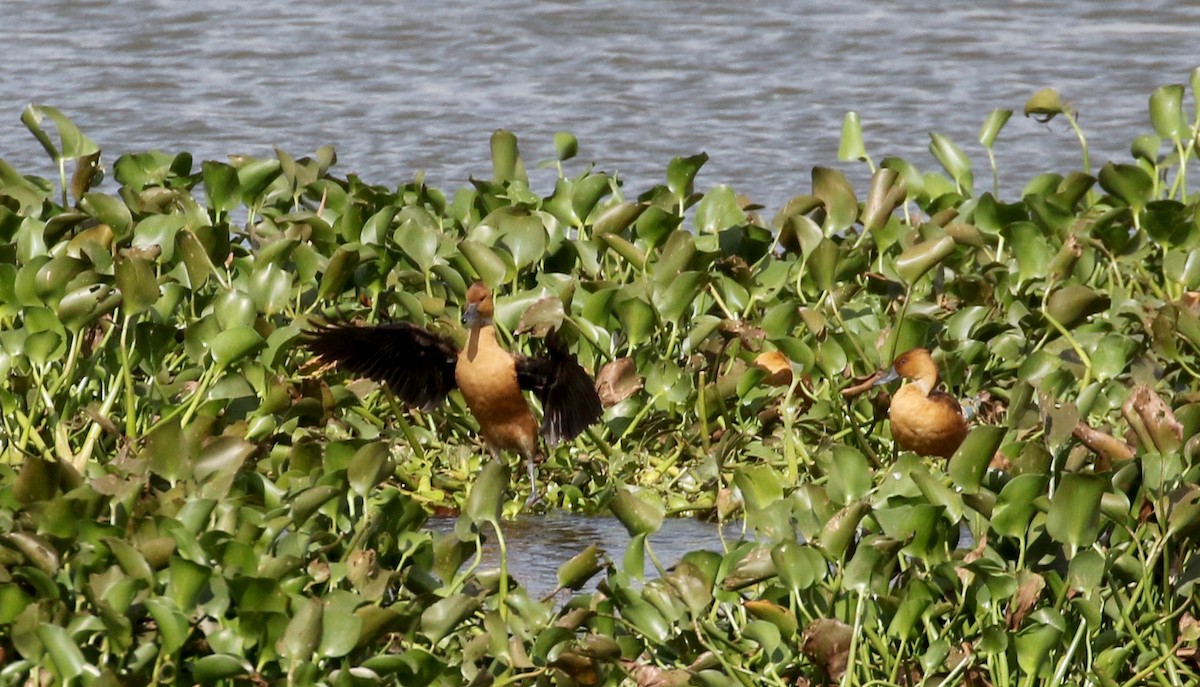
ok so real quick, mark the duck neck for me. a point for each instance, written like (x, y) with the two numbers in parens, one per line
(925, 382)
(482, 332)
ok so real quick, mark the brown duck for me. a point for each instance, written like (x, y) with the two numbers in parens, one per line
(924, 420)
(422, 368)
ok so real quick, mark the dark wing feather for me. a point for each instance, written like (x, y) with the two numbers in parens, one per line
(566, 390)
(947, 400)
(418, 365)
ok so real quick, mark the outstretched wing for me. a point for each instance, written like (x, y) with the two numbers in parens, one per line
(566, 390)
(417, 364)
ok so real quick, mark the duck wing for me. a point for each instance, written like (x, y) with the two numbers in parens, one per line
(415, 363)
(567, 392)
(945, 399)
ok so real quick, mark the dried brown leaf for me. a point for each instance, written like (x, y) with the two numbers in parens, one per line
(1101, 443)
(617, 381)
(1152, 420)
(826, 641)
(1028, 592)
(543, 317)
(777, 366)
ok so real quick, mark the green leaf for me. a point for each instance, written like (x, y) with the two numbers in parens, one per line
(490, 267)
(969, 463)
(837, 195)
(638, 512)
(235, 343)
(851, 145)
(419, 243)
(525, 237)
(137, 283)
(1166, 112)
(1045, 104)
(222, 188)
(486, 496)
(443, 617)
(566, 146)
(953, 160)
(1015, 507)
(173, 628)
(850, 476)
(1074, 516)
(303, 634)
(216, 667)
(1130, 183)
(72, 143)
(370, 465)
(65, 657)
(506, 160)
(992, 125)
(681, 172)
(718, 210)
(574, 573)
(109, 210)
(915, 261)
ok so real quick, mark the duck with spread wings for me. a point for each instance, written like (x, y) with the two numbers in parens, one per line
(422, 368)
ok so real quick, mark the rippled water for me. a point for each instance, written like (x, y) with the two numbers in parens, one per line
(399, 87)
(538, 545)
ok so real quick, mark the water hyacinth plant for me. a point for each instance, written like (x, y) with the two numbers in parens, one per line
(185, 498)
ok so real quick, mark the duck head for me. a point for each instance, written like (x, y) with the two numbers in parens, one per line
(916, 365)
(480, 308)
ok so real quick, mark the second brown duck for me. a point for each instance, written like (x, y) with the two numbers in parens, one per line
(924, 419)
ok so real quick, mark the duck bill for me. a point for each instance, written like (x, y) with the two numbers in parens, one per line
(890, 376)
(470, 316)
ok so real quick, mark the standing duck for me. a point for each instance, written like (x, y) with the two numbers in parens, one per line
(422, 368)
(924, 420)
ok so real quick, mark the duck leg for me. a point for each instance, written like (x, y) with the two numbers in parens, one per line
(531, 468)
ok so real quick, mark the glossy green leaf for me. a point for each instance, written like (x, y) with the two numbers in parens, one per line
(581, 567)
(970, 462)
(370, 465)
(303, 633)
(915, 261)
(172, 623)
(1015, 504)
(953, 160)
(443, 617)
(213, 668)
(1166, 112)
(837, 195)
(506, 160)
(566, 146)
(995, 121)
(72, 143)
(234, 344)
(639, 513)
(487, 264)
(681, 172)
(1129, 183)
(1045, 104)
(850, 145)
(66, 659)
(486, 496)
(221, 186)
(1074, 516)
(137, 284)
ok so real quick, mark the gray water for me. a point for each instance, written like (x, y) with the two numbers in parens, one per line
(538, 545)
(400, 87)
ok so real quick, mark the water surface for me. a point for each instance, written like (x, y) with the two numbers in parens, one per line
(539, 544)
